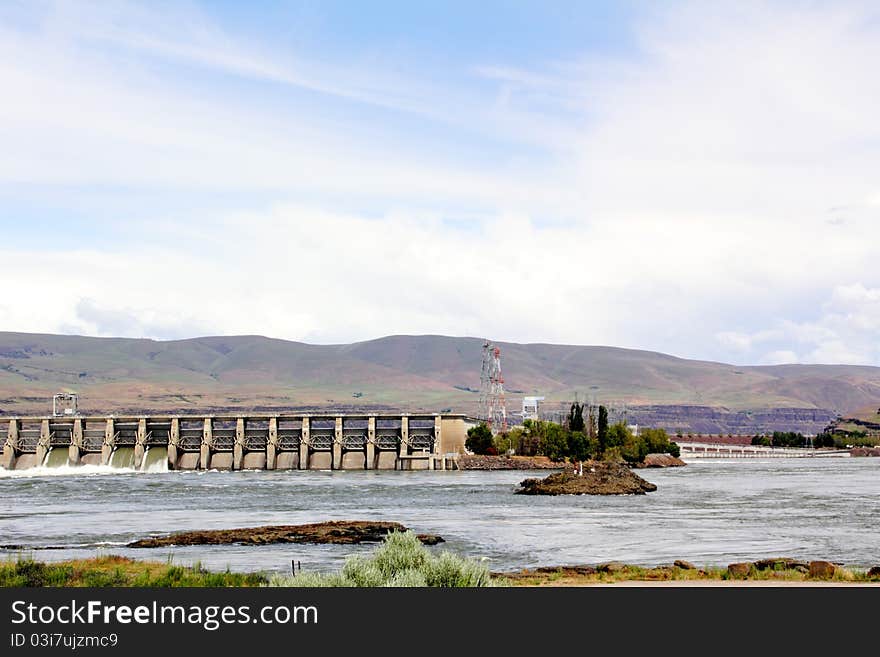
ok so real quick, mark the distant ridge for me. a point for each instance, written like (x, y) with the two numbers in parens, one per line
(429, 372)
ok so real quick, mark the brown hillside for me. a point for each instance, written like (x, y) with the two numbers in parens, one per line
(417, 372)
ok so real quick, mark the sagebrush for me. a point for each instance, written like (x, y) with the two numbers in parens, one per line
(401, 560)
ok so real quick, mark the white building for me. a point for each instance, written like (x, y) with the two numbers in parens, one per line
(530, 408)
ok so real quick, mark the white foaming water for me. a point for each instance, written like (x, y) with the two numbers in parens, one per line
(121, 461)
(62, 471)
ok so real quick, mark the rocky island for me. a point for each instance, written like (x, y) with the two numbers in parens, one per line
(344, 532)
(598, 478)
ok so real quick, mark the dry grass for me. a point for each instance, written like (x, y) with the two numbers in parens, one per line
(579, 576)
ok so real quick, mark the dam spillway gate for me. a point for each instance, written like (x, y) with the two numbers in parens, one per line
(237, 442)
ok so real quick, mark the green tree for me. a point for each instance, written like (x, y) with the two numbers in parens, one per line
(515, 439)
(657, 440)
(602, 429)
(634, 448)
(554, 442)
(617, 435)
(576, 417)
(501, 443)
(479, 439)
(580, 447)
(788, 439)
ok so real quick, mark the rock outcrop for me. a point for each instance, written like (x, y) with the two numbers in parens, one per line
(660, 461)
(740, 570)
(345, 532)
(822, 569)
(599, 478)
(865, 451)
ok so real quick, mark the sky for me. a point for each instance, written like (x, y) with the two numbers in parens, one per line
(701, 179)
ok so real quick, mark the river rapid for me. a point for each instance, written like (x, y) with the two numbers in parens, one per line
(711, 512)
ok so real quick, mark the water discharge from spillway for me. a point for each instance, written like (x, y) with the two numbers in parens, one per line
(155, 460)
(122, 457)
(55, 463)
(55, 458)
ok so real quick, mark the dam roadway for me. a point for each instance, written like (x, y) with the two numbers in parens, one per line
(327, 441)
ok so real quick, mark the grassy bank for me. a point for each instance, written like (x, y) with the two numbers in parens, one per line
(402, 561)
(587, 575)
(119, 571)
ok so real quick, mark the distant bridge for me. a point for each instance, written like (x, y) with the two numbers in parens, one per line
(720, 451)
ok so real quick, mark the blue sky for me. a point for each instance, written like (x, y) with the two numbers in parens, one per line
(695, 178)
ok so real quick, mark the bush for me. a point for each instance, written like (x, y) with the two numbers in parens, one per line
(581, 447)
(479, 439)
(30, 573)
(401, 560)
(450, 570)
(515, 439)
(311, 580)
(501, 443)
(617, 435)
(363, 572)
(612, 454)
(854, 439)
(788, 439)
(410, 578)
(656, 439)
(554, 442)
(634, 448)
(400, 551)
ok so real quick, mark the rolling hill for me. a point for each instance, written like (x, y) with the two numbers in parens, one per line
(414, 372)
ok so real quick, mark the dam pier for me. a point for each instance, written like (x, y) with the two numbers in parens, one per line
(332, 441)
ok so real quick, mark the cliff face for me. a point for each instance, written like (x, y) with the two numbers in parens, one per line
(715, 420)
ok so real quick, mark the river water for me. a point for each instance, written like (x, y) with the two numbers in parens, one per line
(710, 512)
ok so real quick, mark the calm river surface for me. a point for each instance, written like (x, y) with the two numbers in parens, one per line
(710, 512)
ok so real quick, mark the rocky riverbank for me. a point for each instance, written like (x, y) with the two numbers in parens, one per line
(599, 478)
(503, 462)
(774, 569)
(341, 532)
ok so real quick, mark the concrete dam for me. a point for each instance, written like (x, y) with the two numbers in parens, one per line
(235, 442)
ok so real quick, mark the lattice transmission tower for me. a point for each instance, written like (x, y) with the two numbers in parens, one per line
(492, 407)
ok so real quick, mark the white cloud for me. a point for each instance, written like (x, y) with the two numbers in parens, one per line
(780, 357)
(714, 196)
(843, 329)
(745, 342)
